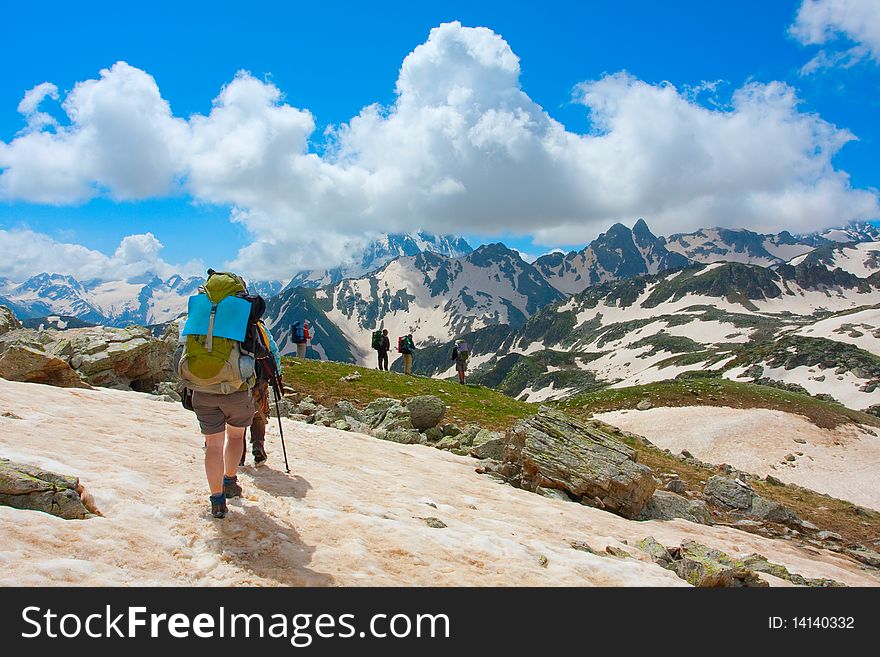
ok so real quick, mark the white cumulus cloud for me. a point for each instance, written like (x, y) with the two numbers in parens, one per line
(462, 148)
(37, 252)
(820, 22)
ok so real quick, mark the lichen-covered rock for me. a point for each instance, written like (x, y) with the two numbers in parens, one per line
(448, 442)
(425, 411)
(8, 320)
(31, 488)
(664, 505)
(703, 566)
(657, 551)
(376, 410)
(403, 436)
(434, 434)
(553, 450)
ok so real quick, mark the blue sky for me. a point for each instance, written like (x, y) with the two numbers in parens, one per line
(335, 60)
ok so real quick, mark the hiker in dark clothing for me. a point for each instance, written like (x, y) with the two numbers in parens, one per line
(383, 350)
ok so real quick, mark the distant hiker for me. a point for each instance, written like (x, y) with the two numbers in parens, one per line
(220, 356)
(460, 354)
(301, 337)
(382, 344)
(407, 347)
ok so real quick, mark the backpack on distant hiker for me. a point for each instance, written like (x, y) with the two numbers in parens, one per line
(464, 351)
(377, 340)
(298, 332)
(219, 354)
(405, 345)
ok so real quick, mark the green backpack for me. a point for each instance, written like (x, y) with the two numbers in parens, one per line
(215, 364)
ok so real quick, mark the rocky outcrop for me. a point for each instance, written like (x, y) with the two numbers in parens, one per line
(704, 566)
(117, 358)
(31, 488)
(8, 321)
(553, 450)
(664, 505)
(425, 411)
(20, 362)
(736, 496)
(129, 358)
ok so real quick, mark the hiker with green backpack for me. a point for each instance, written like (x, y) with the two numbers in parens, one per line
(382, 345)
(223, 348)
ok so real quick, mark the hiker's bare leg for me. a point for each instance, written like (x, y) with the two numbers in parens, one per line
(234, 447)
(214, 461)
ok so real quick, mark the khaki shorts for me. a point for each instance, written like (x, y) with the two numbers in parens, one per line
(214, 412)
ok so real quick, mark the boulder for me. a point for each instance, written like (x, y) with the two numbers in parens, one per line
(676, 486)
(644, 405)
(434, 434)
(396, 417)
(376, 410)
(727, 493)
(553, 450)
(770, 511)
(403, 436)
(492, 448)
(702, 566)
(31, 488)
(425, 411)
(664, 505)
(8, 320)
(26, 363)
(128, 358)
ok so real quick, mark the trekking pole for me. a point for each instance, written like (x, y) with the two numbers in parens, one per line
(277, 394)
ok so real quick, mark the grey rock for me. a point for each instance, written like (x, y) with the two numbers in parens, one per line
(449, 442)
(644, 405)
(727, 493)
(433, 434)
(676, 486)
(435, 523)
(664, 505)
(865, 556)
(770, 511)
(829, 536)
(553, 450)
(425, 411)
(376, 410)
(168, 389)
(403, 436)
(489, 449)
(31, 488)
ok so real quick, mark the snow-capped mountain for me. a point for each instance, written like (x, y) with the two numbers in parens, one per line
(854, 232)
(614, 255)
(710, 245)
(144, 300)
(806, 325)
(725, 245)
(379, 252)
(432, 296)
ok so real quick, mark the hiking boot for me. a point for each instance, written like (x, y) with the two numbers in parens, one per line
(260, 455)
(218, 505)
(231, 487)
